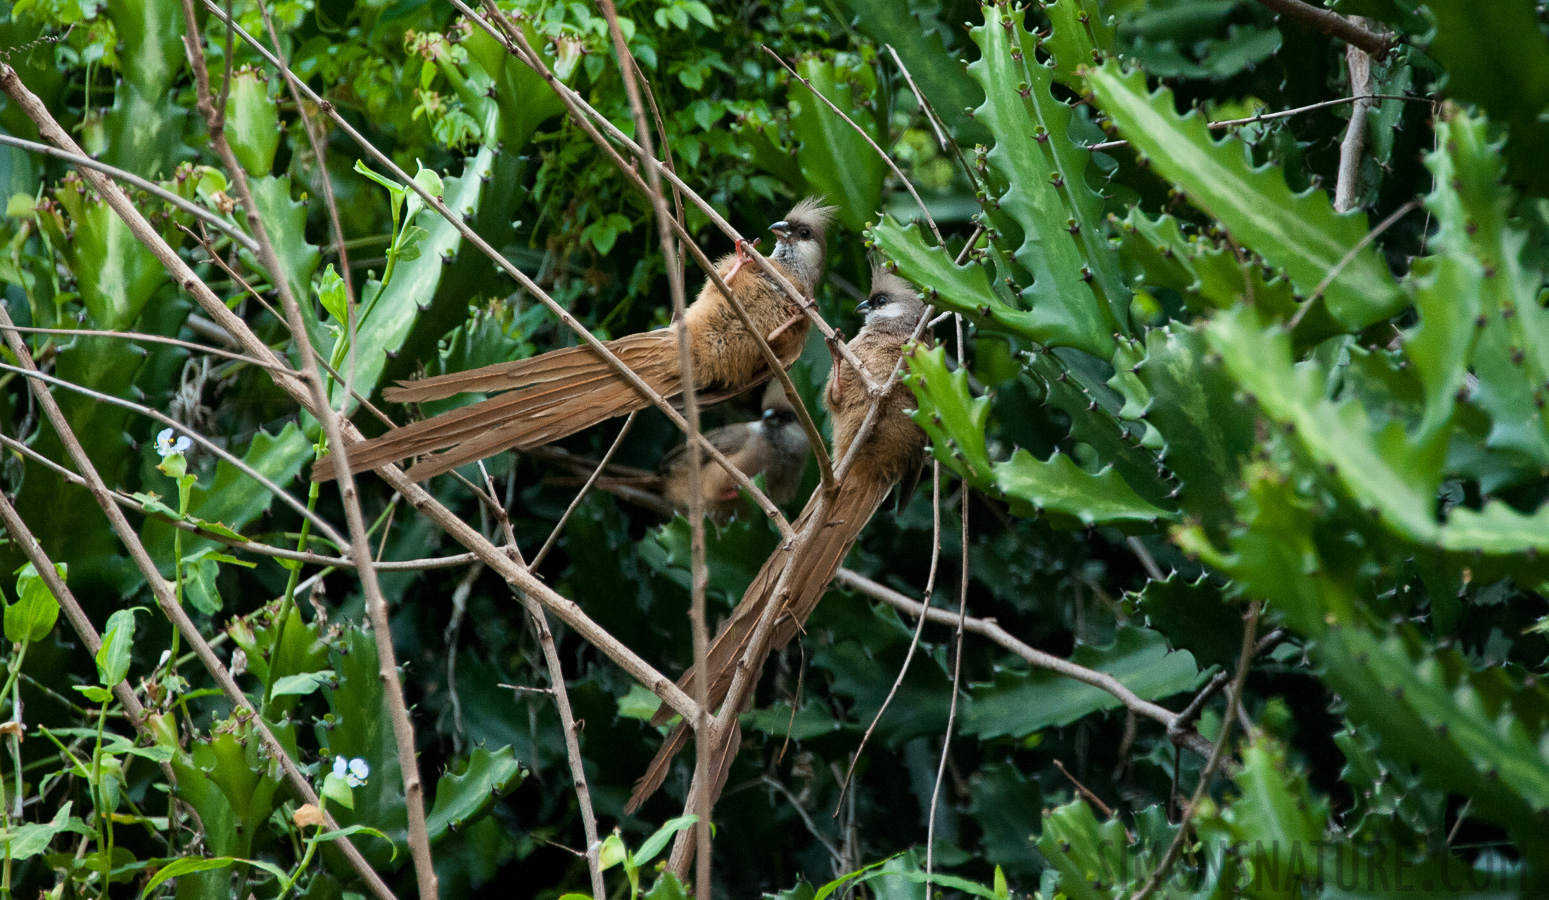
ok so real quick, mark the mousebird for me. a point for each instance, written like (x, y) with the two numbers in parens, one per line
(561, 392)
(892, 454)
(773, 445)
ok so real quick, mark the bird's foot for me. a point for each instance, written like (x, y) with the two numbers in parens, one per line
(834, 343)
(742, 257)
(783, 327)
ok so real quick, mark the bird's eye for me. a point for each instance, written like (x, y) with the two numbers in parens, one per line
(804, 232)
(879, 300)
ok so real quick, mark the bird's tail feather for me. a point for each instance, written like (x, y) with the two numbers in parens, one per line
(813, 563)
(574, 389)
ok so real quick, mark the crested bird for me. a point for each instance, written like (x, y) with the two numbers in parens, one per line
(561, 392)
(799, 571)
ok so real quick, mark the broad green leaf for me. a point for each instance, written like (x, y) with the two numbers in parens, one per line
(117, 644)
(1022, 702)
(917, 39)
(1298, 233)
(1058, 485)
(28, 840)
(191, 864)
(658, 841)
(36, 609)
(1079, 36)
(961, 289)
(300, 685)
(836, 161)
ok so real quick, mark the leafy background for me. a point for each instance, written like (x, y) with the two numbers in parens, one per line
(1189, 386)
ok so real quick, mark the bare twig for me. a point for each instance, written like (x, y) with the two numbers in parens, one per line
(359, 547)
(559, 526)
(1280, 114)
(1233, 704)
(155, 339)
(990, 629)
(1360, 245)
(1334, 25)
(1085, 791)
(957, 674)
(699, 573)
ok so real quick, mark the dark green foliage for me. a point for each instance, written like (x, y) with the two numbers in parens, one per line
(1187, 388)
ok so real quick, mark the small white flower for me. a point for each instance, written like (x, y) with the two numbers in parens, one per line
(169, 443)
(166, 656)
(353, 771)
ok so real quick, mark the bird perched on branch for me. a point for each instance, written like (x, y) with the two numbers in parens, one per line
(799, 572)
(773, 445)
(559, 393)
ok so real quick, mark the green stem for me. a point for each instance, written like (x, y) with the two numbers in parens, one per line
(306, 858)
(287, 601)
(104, 815)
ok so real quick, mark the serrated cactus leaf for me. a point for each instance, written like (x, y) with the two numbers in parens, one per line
(252, 121)
(1193, 616)
(1497, 316)
(1021, 702)
(836, 161)
(1206, 434)
(1298, 233)
(1086, 853)
(524, 99)
(1079, 36)
(967, 290)
(953, 419)
(462, 800)
(1157, 253)
(1074, 271)
(1058, 485)
(1497, 57)
(359, 726)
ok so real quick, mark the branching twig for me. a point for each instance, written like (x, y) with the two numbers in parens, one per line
(1233, 704)
(1334, 25)
(1347, 186)
(990, 629)
(1280, 114)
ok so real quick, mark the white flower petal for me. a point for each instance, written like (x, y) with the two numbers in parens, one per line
(339, 766)
(360, 768)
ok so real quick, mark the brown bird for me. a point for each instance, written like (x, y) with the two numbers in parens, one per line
(891, 454)
(564, 391)
(773, 445)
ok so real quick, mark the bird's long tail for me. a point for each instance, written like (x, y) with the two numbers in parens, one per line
(812, 563)
(547, 397)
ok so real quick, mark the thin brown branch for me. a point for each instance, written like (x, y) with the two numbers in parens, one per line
(1348, 182)
(1233, 704)
(990, 629)
(359, 545)
(1334, 25)
(957, 675)
(559, 526)
(155, 339)
(1360, 245)
(897, 172)
(1279, 114)
(699, 573)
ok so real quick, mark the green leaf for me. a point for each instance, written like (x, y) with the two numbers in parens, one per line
(191, 864)
(1298, 233)
(95, 694)
(1074, 272)
(961, 289)
(300, 685)
(28, 840)
(117, 644)
(836, 161)
(1021, 702)
(463, 799)
(330, 293)
(1058, 485)
(657, 842)
(252, 121)
(36, 609)
(338, 790)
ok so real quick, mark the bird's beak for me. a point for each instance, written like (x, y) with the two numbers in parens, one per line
(864, 306)
(782, 229)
